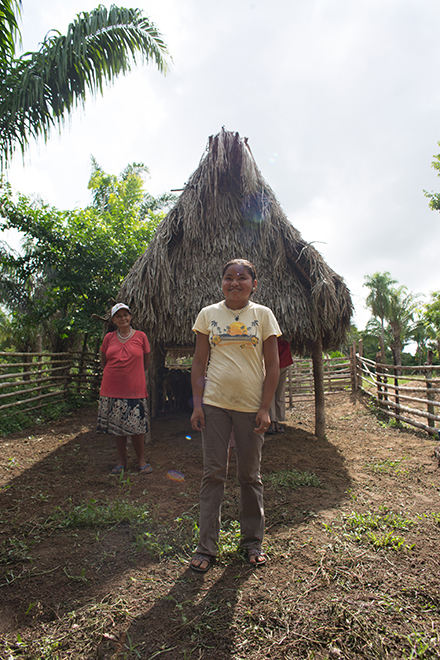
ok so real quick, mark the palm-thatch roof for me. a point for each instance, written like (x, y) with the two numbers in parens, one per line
(227, 210)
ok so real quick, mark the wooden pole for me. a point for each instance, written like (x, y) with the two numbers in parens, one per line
(353, 367)
(290, 375)
(428, 375)
(359, 373)
(318, 378)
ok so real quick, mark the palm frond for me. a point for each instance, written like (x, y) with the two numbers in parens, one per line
(10, 11)
(39, 89)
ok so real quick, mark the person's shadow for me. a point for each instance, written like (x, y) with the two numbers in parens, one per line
(197, 613)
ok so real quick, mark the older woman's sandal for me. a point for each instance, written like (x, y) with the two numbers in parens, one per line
(260, 557)
(146, 469)
(202, 559)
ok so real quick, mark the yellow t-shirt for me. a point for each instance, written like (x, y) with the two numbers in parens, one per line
(236, 372)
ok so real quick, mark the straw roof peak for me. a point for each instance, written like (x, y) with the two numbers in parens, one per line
(227, 210)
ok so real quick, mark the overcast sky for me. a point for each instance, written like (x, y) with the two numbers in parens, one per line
(340, 101)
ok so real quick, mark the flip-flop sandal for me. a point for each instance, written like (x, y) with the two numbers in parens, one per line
(146, 469)
(258, 554)
(202, 558)
(280, 430)
(118, 469)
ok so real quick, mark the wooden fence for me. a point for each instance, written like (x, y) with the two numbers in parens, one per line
(406, 394)
(31, 381)
(299, 381)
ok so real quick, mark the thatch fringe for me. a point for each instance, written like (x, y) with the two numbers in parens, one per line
(226, 211)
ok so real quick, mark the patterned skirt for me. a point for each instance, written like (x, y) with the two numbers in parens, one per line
(122, 416)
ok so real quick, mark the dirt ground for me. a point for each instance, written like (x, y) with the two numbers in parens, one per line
(353, 568)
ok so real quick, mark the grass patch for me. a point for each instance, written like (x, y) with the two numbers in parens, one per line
(379, 529)
(387, 467)
(292, 479)
(92, 514)
(90, 630)
(10, 423)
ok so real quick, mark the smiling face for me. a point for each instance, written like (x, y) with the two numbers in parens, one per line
(122, 320)
(237, 286)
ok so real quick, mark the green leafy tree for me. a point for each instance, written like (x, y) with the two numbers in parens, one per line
(39, 89)
(379, 301)
(73, 262)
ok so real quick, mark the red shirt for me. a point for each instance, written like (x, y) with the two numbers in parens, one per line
(284, 353)
(124, 373)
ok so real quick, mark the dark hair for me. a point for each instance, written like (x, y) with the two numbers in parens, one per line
(241, 262)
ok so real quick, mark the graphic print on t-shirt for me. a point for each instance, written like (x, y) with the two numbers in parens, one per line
(235, 333)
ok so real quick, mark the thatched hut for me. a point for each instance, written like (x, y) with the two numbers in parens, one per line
(227, 210)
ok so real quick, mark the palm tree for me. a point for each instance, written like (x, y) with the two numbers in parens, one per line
(378, 300)
(402, 307)
(39, 89)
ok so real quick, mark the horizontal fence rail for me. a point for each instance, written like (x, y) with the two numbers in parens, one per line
(406, 394)
(300, 383)
(31, 381)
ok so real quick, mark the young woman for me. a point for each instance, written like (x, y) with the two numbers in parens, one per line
(125, 356)
(239, 339)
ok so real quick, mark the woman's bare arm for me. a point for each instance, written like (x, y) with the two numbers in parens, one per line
(198, 371)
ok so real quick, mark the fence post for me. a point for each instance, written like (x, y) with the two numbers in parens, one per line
(289, 375)
(353, 367)
(94, 388)
(359, 382)
(429, 395)
(318, 379)
(381, 378)
(397, 373)
(328, 372)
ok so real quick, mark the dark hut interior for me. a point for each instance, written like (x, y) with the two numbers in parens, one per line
(227, 210)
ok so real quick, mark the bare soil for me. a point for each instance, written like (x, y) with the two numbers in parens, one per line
(353, 568)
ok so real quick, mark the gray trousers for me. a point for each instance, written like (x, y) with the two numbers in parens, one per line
(248, 446)
(277, 410)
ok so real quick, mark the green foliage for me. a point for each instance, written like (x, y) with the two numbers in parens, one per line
(38, 90)
(387, 466)
(92, 514)
(10, 10)
(73, 262)
(52, 411)
(229, 541)
(292, 479)
(378, 529)
(434, 198)
(15, 550)
(336, 354)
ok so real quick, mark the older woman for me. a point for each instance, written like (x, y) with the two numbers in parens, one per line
(125, 356)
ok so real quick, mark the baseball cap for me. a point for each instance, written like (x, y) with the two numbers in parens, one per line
(117, 307)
